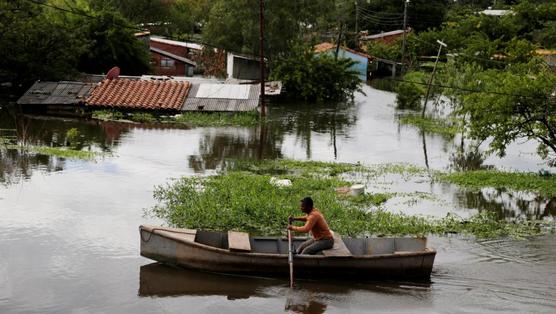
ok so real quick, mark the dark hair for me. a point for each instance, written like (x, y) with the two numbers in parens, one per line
(308, 202)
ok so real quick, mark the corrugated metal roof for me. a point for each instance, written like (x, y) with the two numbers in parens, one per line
(56, 93)
(139, 94)
(194, 103)
(173, 56)
(177, 43)
(223, 91)
(385, 34)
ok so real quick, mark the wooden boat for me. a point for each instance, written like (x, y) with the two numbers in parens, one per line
(238, 253)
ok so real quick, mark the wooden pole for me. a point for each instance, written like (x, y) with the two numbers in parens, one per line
(290, 257)
(404, 31)
(261, 63)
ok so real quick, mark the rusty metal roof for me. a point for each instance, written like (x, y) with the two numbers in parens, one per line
(139, 94)
(218, 103)
(56, 93)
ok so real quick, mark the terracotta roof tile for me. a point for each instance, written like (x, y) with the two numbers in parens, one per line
(139, 94)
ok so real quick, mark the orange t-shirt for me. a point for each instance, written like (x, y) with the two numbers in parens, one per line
(315, 223)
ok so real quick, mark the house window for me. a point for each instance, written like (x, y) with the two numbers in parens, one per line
(167, 63)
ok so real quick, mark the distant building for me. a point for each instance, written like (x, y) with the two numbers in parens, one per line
(56, 98)
(549, 56)
(496, 12)
(385, 37)
(361, 59)
(171, 57)
(243, 67)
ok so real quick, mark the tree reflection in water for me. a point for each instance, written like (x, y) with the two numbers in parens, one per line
(266, 140)
(20, 130)
(508, 204)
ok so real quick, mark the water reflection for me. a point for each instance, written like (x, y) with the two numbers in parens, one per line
(508, 204)
(159, 280)
(303, 119)
(17, 165)
(217, 145)
(468, 159)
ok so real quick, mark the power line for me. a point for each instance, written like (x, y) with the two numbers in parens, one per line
(80, 13)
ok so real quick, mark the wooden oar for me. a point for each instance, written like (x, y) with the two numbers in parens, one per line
(290, 255)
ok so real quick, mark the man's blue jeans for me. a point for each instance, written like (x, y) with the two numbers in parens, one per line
(313, 246)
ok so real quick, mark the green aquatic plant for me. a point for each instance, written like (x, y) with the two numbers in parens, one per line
(244, 198)
(444, 127)
(55, 151)
(214, 119)
(519, 181)
(107, 115)
(143, 117)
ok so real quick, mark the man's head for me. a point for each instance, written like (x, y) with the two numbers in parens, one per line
(306, 205)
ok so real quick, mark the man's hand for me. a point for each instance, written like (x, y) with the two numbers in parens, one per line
(290, 219)
(290, 227)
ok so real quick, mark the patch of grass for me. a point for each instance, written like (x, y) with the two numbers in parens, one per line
(106, 115)
(196, 119)
(444, 127)
(143, 117)
(55, 151)
(214, 119)
(244, 199)
(519, 181)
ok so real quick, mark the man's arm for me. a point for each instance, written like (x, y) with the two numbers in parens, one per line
(302, 218)
(310, 222)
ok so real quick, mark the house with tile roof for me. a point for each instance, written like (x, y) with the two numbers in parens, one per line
(136, 94)
(361, 59)
(160, 94)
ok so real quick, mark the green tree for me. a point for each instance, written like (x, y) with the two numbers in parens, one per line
(111, 43)
(234, 25)
(520, 103)
(34, 47)
(316, 77)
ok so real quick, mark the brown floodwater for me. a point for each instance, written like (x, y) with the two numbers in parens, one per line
(70, 239)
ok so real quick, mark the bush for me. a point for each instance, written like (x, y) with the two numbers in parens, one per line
(411, 91)
(72, 137)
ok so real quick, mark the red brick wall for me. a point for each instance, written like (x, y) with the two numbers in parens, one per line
(177, 50)
(178, 70)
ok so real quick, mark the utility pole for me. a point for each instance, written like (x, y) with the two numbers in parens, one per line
(356, 17)
(432, 76)
(261, 63)
(406, 3)
(339, 39)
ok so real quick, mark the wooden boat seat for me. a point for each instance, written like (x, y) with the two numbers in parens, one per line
(339, 248)
(239, 241)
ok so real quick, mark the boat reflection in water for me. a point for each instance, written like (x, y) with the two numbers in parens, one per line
(161, 280)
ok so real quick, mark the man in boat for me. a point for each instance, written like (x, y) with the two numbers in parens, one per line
(314, 223)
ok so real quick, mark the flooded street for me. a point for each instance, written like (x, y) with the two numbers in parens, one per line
(70, 240)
